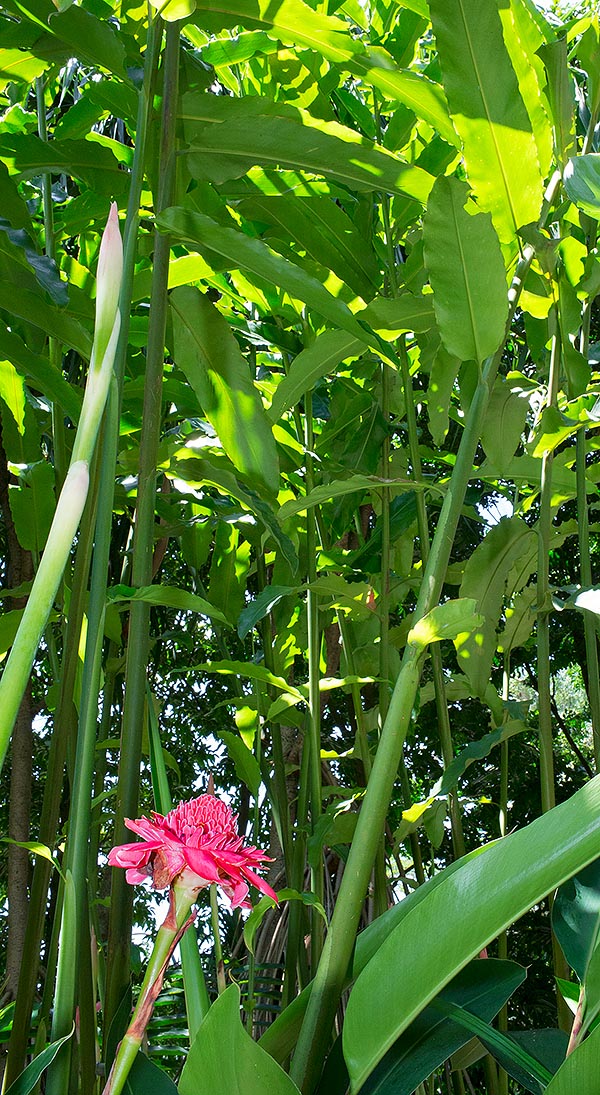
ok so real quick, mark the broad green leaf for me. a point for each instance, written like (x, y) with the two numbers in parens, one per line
(392, 317)
(169, 596)
(34, 847)
(335, 826)
(319, 359)
(243, 253)
(320, 227)
(228, 569)
(467, 273)
(579, 1073)
(520, 618)
(576, 917)
(504, 422)
(91, 39)
(32, 505)
(523, 38)
(9, 625)
(445, 622)
(14, 209)
(31, 306)
(442, 378)
(487, 109)
(224, 1058)
(499, 886)
(297, 24)
(43, 376)
(26, 155)
(581, 177)
(260, 607)
(285, 136)
(246, 765)
(207, 352)
(484, 579)
(20, 66)
(12, 391)
(146, 1077)
(481, 988)
(30, 1076)
(561, 94)
(553, 428)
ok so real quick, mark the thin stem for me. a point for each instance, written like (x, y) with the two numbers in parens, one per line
(214, 919)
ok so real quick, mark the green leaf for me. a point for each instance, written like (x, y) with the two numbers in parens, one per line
(514, 1057)
(169, 596)
(504, 422)
(224, 1058)
(326, 492)
(20, 66)
(32, 505)
(257, 915)
(31, 306)
(252, 672)
(228, 569)
(393, 317)
(260, 607)
(581, 178)
(243, 253)
(481, 988)
(208, 354)
(29, 1078)
(467, 273)
(285, 136)
(576, 917)
(145, 1077)
(89, 38)
(579, 1073)
(42, 376)
(9, 625)
(246, 765)
(502, 883)
(485, 579)
(12, 391)
(26, 155)
(477, 750)
(488, 112)
(445, 622)
(35, 848)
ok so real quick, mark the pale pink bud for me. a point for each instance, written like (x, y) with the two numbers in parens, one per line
(108, 276)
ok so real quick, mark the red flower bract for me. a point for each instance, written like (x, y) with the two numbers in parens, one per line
(196, 843)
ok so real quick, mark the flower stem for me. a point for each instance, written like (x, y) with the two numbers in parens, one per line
(176, 922)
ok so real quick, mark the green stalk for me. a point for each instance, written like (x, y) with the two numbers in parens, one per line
(137, 648)
(214, 919)
(585, 562)
(543, 602)
(329, 979)
(314, 693)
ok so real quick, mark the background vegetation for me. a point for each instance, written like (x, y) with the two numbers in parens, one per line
(339, 546)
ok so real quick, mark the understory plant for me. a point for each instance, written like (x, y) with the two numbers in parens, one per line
(299, 527)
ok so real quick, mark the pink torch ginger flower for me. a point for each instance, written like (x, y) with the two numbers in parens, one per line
(193, 845)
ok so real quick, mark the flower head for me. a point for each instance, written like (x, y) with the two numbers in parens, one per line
(195, 844)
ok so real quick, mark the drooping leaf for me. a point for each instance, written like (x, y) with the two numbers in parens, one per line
(170, 596)
(43, 375)
(484, 579)
(502, 883)
(467, 273)
(317, 360)
(208, 354)
(257, 915)
(285, 136)
(581, 177)
(488, 112)
(445, 622)
(246, 765)
(576, 917)
(243, 1066)
(12, 391)
(257, 609)
(477, 750)
(243, 253)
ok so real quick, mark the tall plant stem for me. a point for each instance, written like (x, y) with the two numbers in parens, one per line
(314, 693)
(543, 605)
(585, 561)
(137, 648)
(329, 979)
